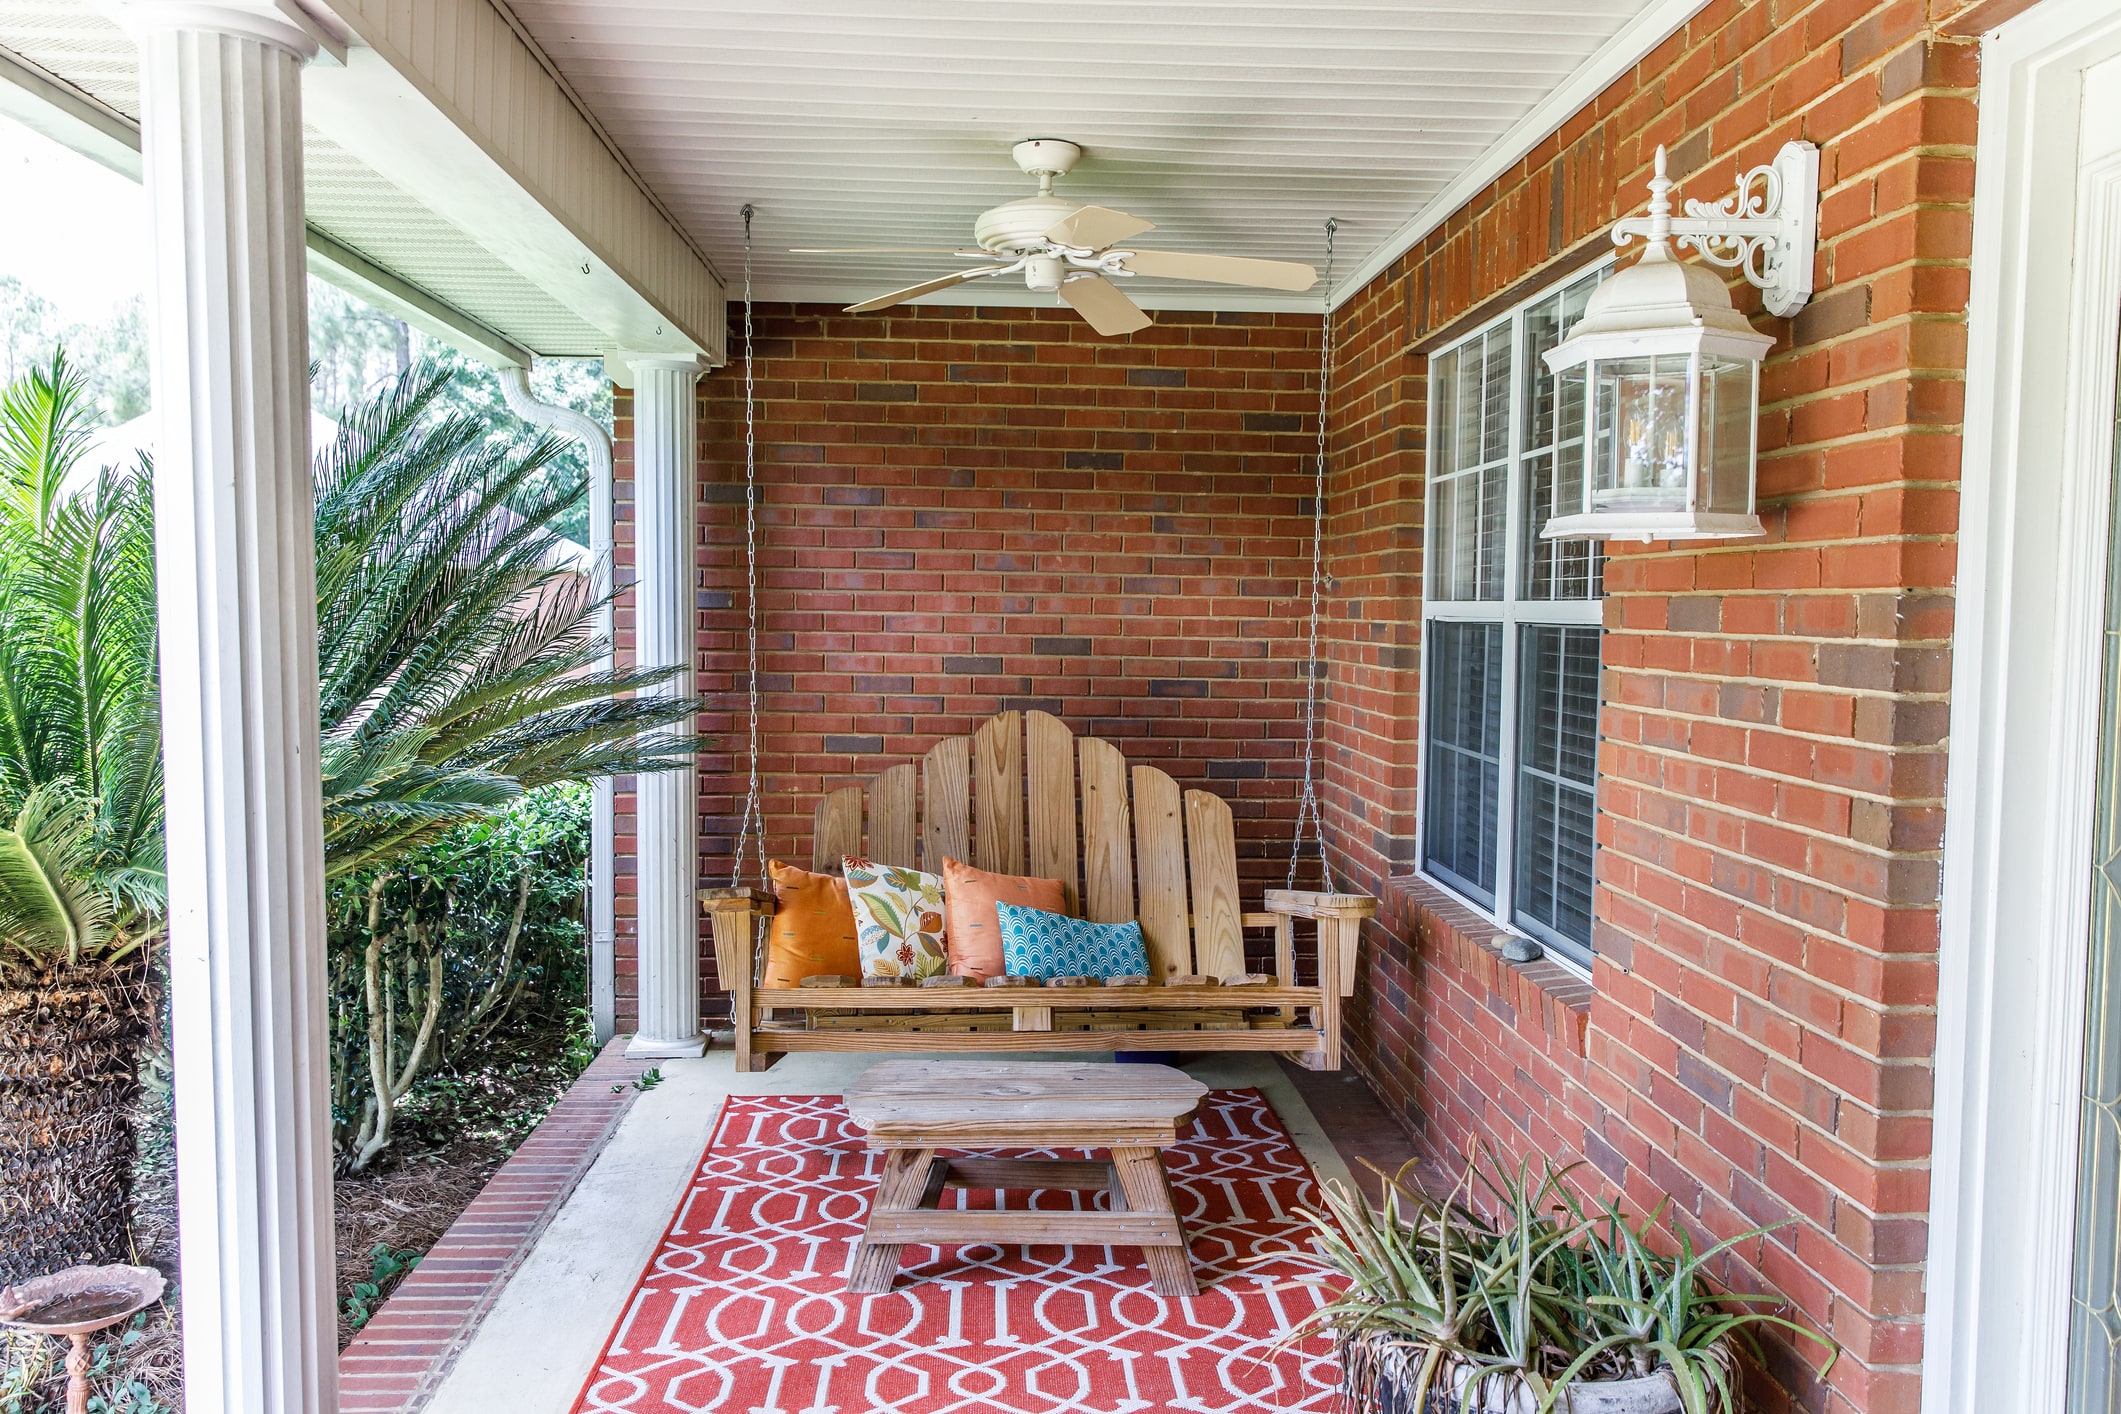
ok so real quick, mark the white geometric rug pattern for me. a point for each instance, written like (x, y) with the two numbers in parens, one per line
(744, 1308)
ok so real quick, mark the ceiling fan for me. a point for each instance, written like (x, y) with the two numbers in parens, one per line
(1077, 251)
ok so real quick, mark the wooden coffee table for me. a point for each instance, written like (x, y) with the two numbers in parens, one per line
(912, 1109)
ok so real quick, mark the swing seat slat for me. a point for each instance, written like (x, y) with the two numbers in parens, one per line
(1024, 795)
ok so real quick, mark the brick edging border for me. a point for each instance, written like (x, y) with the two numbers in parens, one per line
(401, 1356)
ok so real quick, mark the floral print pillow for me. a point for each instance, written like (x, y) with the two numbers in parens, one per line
(898, 918)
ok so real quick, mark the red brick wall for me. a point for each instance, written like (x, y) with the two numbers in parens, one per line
(963, 513)
(1757, 1037)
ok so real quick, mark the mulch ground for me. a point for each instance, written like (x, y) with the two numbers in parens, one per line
(454, 1132)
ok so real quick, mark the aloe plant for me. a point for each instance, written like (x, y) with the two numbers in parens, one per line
(1540, 1297)
(1658, 1313)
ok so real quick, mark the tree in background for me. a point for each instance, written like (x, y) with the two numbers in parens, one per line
(109, 355)
(452, 947)
(357, 350)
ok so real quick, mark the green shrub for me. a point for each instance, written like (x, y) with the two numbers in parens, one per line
(434, 951)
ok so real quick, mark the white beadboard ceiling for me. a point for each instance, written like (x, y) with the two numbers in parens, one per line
(1237, 126)
(343, 198)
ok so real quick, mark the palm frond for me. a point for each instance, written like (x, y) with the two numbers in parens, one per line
(49, 905)
(458, 655)
(46, 419)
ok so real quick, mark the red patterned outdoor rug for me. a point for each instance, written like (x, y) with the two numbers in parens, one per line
(744, 1308)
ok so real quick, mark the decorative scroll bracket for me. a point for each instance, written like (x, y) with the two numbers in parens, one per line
(1767, 229)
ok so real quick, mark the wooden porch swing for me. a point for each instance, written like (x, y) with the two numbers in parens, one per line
(1006, 798)
(1024, 795)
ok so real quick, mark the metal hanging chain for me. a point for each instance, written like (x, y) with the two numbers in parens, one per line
(754, 815)
(1307, 812)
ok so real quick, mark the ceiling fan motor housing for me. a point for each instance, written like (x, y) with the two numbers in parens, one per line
(1018, 226)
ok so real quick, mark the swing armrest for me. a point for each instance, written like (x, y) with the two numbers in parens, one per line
(1339, 918)
(1307, 903)
(734, 915)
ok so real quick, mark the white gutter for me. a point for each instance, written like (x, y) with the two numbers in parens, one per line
(596, 442)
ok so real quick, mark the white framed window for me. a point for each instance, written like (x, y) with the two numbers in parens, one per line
(1510, 630)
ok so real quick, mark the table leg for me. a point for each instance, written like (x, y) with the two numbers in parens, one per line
(903, 1186)
(1141, 1178)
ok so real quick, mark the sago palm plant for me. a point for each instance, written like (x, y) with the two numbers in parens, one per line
(458, 667)
(457, 648)
(81, 884)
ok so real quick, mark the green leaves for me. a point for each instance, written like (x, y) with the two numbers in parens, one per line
(49, 905)
(387, 1267)
(45, 423)
(80, 759)
(459, 660)
(459, 663)
(1528, 1298)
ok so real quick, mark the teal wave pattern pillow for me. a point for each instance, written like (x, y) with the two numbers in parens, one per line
(1036, 943)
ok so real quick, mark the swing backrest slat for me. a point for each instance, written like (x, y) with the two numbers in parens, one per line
(894, 824)
(1160, 872)
(1024, 795)
(946, 796)
(1211, 857)
(1108, 834)
(998, 794)
(836, 830)
(1049, 768)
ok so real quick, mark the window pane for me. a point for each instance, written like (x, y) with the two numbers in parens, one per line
(1557, 773)
(1552, 476)
(1469, 497)
(1462, 796)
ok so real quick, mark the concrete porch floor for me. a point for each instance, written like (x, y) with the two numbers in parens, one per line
(538, 1341)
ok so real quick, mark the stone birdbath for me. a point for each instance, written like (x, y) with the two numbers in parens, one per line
(77, 1303)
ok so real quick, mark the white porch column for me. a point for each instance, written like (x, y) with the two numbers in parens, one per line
(665, 464)
(221, 121)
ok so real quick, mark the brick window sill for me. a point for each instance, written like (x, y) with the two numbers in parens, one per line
(1553, 996)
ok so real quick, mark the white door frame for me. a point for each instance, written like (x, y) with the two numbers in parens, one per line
(2034, 495)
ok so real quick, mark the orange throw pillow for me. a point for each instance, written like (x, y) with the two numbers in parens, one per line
(971, 933)
(813, 928)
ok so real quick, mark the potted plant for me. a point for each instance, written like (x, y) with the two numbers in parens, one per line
(1536, 1306)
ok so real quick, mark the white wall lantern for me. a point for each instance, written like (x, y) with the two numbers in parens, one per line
(1672, 369)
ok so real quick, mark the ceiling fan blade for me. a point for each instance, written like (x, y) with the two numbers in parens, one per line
(1095, 227)
(884, 250)
(923, 288)
(1104, 306)
(1223, 269)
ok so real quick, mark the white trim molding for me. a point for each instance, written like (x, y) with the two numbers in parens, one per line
(2034, 516)
(446, 101)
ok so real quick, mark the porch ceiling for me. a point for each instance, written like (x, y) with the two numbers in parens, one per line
(460, 188)
(346, 200)
(1236, 125)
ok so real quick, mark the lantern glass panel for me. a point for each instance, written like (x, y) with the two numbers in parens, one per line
(1640, 461)
(1729, 397)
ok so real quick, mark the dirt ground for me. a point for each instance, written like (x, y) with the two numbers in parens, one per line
(458, 1127)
